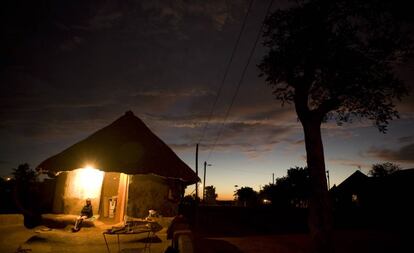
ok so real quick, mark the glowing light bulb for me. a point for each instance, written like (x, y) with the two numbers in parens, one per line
(85, 183)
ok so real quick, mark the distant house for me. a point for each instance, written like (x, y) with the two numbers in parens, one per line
(394, 192)
(375, 200)
(351, 192)
(124, 168)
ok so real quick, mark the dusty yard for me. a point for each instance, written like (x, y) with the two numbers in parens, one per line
(90, 239)
(17, 238)
(355, 241)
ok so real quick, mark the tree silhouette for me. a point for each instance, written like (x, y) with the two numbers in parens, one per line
(24, 174)
(334, 60)
(25, 194)
(246, 196)
(383, 169)
(289, 191)
(211, 195)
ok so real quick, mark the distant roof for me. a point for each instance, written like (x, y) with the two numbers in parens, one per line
(355, 180)
(127, 145)
(404, 173)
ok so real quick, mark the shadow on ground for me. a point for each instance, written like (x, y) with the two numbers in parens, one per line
(36, 239)
(206, 245)
(154, 239)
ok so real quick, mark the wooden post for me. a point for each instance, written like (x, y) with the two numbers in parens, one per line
(196, 168)
(204, 181)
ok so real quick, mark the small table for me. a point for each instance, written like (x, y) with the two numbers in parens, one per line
(148, 228)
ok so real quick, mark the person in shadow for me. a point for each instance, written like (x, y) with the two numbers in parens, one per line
(86, 213)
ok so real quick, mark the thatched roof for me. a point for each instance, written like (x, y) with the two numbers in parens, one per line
(127, 145)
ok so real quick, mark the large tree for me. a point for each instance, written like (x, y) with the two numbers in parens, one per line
(334, 60)
(246, 196)
(383, 169)
(289, 191)
(211, 195)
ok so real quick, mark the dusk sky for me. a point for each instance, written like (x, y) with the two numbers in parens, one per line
(69, 68)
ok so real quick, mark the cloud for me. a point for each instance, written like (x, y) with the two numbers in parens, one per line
(161, 59)
(72, 43)
(352, 164)
(105, 20)
(254, 140)
(250, 150)
(405, 73)
(254, 127)
(126, 56)
(174, 93)
(50, 130)
(404, 154)
(406, 139)
(218, 13)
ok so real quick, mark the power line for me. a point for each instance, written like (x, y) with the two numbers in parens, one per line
(226, 71)
(241, 80)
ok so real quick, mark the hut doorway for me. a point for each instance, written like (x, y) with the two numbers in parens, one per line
(113, 196)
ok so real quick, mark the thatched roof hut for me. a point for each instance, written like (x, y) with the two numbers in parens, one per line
(128, 146)
(141, 172)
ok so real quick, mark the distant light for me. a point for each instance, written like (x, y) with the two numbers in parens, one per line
(266, 201)
(355, 198)
(8, 178)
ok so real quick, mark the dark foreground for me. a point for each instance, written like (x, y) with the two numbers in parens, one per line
(89, 240)
(227, 230)
(356, 241)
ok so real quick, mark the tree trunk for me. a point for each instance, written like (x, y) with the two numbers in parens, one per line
(320, 213)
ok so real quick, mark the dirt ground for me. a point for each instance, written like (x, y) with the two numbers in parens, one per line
(14, 238)
(90, 240)
(355, 241)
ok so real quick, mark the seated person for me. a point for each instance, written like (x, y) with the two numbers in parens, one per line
(151, 215)
(86, 213)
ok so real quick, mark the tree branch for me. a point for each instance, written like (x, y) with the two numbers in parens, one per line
(327, 106)
(301, 101)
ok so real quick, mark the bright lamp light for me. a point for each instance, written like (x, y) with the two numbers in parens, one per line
(86, 183)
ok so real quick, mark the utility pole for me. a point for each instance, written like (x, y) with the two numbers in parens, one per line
(327, 176)
(204, 180)
(196, 168)
(273, 178)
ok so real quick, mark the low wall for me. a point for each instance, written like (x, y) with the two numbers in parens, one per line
(11, 219)
(216, 221)
(62, 220)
